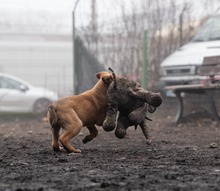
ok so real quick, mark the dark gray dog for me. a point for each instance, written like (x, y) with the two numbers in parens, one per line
(133, 102)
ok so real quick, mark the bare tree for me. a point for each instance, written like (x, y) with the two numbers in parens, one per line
(185, 10)
(210, 6)
(168, 21)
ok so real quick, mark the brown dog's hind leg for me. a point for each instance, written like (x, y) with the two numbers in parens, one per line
(93, 133)
(55, 127)
(55, 138)
(71, 128)
(65, 139)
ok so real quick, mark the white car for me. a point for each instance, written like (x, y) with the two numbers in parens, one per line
(18, 96)
(182, 67)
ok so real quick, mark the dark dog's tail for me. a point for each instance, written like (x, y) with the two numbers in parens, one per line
(52, 116)
(114, 77)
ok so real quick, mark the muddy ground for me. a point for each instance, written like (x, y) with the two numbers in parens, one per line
(181, 157)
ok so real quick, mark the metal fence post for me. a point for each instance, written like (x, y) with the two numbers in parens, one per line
(144, 81)
(74, 55)
(75, 78)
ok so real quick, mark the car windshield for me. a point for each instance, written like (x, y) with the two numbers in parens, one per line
(8, 83)
(210, 31)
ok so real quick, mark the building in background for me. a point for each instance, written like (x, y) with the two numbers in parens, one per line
(36, 45)
(43, 60)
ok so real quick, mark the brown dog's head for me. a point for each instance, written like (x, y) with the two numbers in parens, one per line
(106, 77)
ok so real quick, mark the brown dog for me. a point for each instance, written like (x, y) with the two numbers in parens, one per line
(74, 112)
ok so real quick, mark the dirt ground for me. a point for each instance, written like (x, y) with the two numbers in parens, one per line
(181, 157)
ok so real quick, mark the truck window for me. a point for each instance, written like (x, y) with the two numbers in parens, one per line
(210, 31)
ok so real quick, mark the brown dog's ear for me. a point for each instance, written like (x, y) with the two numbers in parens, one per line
(98, 75)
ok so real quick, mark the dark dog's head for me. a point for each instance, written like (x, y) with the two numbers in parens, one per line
(153, 99)
(135, 90)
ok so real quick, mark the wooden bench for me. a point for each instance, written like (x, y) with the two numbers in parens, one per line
(210, 70)
(195, 89)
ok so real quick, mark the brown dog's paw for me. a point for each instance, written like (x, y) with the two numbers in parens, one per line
(57, 148)
(77, 151)
(74, 151)
(70, 149)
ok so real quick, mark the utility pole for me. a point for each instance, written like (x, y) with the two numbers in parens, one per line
(144, 77)
(75, 78)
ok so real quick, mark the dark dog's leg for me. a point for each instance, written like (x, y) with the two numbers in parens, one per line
(145, 130)
(93, 133)
(138, 115)
(122, 125)
(110, 120)
(111, 115)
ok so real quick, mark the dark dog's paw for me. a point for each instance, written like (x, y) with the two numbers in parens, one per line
(120, 132)
(86, 140)
(148, 141)
(89, 138)
(109, 124)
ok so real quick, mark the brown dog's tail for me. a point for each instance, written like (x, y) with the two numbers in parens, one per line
(52, 116)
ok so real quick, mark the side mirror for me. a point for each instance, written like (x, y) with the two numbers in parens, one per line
(23, 88)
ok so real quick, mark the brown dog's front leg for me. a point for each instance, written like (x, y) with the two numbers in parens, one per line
(145, 130)
(93, 133)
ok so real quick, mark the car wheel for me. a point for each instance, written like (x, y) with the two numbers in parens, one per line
(41, 106)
